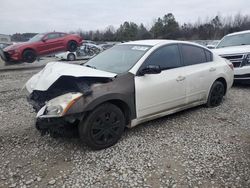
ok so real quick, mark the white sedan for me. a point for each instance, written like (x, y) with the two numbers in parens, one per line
(86, 51)
(126, 85)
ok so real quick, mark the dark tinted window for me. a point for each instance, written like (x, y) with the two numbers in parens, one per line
(62, 34)
(193, 55)
(53, 35)
(209, 56)
(166, 57)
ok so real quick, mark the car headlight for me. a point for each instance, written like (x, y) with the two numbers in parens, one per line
(246, 60)
(58, 106)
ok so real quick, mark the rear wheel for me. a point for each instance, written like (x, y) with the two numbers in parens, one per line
(72, 46)
(103, 127)
(216, 94)
(29, 56)
(71, 57)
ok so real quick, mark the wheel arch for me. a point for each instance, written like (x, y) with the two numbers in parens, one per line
(221, 79)
(70, 53)
(224, 82)
(117, 100)
(29, 48)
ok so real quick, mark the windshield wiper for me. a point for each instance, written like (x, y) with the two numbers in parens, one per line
(90, 66)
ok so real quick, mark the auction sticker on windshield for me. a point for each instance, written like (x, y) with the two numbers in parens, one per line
(141, 48)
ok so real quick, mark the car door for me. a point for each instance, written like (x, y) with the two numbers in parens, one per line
(156, 93)
(199, 71)
(52, 42)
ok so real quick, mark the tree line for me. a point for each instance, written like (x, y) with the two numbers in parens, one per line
(166, 27)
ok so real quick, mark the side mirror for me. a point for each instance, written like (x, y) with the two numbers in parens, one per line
(44, 39)
(150, 69)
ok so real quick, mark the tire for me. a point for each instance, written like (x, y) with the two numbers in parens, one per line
(216, 94)
(103, 127)
(29, 56)
(71, 57)
(72, 46)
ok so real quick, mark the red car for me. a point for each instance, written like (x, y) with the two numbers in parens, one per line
(40, 45)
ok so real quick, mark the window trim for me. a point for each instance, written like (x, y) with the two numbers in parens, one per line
(163, 46)
(204, 50)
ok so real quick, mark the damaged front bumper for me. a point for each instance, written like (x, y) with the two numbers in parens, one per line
(59, 116)
(61, 126)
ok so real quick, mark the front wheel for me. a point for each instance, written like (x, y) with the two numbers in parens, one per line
(103, 127)
(72, 46)
(29, 56)
(216, 94)
(71, 57)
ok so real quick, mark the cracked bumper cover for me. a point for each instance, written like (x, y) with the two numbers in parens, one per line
(60, 126)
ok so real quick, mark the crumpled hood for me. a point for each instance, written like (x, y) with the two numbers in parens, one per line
(232, 50)
(15, 46)
(54, 70)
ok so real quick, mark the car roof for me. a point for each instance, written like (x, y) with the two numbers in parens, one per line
(155, 42)
(52, 32)
(237, 33)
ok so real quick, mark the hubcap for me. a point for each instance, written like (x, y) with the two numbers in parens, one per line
(71, 57)
(105, 128)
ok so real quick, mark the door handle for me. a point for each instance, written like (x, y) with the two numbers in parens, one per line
(180, 78)
(212, 69)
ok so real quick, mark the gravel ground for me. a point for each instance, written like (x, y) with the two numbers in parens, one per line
(201, 147)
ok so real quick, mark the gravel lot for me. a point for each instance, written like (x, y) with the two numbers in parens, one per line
(201, 147)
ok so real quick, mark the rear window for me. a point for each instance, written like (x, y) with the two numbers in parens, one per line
(209, 56)
(193, 55)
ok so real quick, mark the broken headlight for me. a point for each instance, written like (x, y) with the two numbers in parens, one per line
(58, 106)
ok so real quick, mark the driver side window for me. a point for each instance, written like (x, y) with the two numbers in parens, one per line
(167, 57)
(53, 36)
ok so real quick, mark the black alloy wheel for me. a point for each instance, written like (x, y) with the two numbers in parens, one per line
(103, 127)
(29, 56)
(72, 46)
(216, 94)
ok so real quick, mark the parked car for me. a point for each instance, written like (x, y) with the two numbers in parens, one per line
(126, 85)
(3, 45)
(213, 44)
(106, 46)
(41, 45)
(236, 48)
(88, 42)
(86, 51)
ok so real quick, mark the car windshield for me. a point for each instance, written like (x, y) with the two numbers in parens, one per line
(118, 59)
(37, 38)
(235, 40)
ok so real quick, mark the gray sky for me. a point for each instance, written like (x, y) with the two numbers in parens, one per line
(70, 15)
